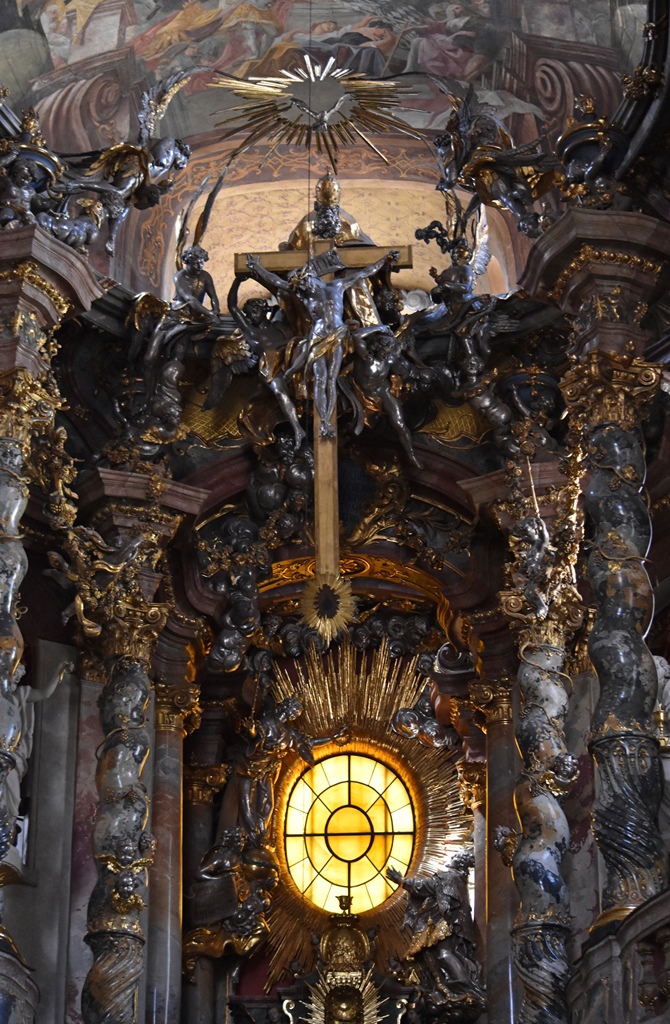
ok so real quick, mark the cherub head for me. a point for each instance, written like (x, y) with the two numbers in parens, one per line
(194, 257)
(256, 310)
(289, 709)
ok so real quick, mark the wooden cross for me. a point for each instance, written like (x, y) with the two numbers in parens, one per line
(327, 258)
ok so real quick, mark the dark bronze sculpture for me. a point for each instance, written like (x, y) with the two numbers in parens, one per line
(266, 340)
(476, 153)
(319, 354)
(443, 943)
(378, 357)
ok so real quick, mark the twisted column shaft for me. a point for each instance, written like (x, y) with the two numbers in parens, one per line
(610, 392)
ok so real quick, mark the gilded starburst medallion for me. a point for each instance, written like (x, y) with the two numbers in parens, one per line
(329, 106)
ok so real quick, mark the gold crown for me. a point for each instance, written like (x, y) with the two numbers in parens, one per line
(328, 190)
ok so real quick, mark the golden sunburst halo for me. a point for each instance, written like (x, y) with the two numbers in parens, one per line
(332, 106)
(363, 690)
(328, 605)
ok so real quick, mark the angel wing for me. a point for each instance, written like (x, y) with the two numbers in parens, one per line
(155, 101)
(203, 219)
(231, 356)
(183, 233)
(120, 158)
(481, 254)
(147, 312)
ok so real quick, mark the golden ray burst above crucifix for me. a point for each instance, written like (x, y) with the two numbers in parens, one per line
(326, 105)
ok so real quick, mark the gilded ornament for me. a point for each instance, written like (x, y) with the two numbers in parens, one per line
(608, 387)
(472, 783)
(346, 105)
(589, 255)
(646, 80)
(494, 699)
(177, 707)
(203, 781)
(29, 271)
(328, 605)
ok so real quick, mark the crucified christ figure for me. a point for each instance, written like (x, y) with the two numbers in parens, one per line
(320, 354)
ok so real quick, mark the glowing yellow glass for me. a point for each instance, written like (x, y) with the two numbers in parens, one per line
(348, 818)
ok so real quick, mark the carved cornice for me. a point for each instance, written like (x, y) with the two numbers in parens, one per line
(589, 255)
(177, 707)
(472, 783)
(203, 781)
(29, 272)
(611, 388)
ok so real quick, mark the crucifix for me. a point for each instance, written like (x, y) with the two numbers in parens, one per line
(318, 356)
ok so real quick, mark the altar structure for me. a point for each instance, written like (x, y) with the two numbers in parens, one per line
(334, 592)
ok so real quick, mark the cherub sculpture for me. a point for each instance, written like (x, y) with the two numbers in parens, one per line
(378, 357)
(134, 175)
(533, 557)
(17, 195)
(268, 738)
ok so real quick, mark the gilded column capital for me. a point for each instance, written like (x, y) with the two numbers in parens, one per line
(203, 781)
(494, 699)
(472, 783)
(552, 625)
(27, 405)
(608, 387)
(177, 706)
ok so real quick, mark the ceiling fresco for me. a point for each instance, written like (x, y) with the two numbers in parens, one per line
(527, 59)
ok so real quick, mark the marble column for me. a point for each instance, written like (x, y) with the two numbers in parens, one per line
(41, 283)
(176, 712)
(201, 783)
(494, 699)
(472, 784)
(120, 623)
(605, 266)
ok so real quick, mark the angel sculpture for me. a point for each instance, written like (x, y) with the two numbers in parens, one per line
(378, 357)
(269, 738)
(266, 340)
(164, 331)
(476, 152)
(128, 174)
(443, 942)
(456, 333)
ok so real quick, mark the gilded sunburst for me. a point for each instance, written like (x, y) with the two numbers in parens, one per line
(328, 605)
(329, 106)
(363, 691)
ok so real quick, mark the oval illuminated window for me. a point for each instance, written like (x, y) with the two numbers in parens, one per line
(348, 818)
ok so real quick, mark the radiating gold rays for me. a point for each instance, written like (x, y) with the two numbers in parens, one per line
(363, 691)
(329, 106)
